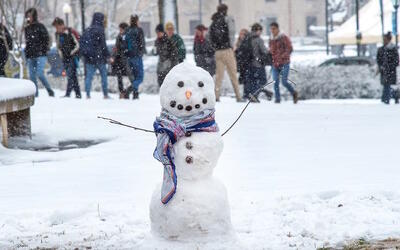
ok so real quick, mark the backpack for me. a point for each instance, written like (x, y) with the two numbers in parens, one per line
(219, 33)
(86, 47)
(132, 42)
(244, 53)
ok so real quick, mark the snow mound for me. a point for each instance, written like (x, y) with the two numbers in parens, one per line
(15, 88)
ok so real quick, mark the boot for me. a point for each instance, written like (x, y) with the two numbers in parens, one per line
(295, 97)
(135, 94)
(51, 93)
(268, 94)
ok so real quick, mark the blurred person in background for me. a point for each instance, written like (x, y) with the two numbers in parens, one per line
(6, 44)
(119, 62)
(204, 53)
(388, 60)
(222, 36)
(281, 48)
(177, 41)
(253, 56)
(67, 42)
(37, 45)
(167, 54)
(95, 54)
(241, 64)
(135, 47)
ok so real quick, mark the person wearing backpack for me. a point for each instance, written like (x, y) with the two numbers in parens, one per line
(135, 47)
(222, 35)
(6, 45)
(281, 48)
(204, 53)
(255, 68)
(177, 41)
(93, 49)
(67, 41)
(37, 45)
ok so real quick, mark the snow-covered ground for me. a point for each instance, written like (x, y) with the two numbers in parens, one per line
(298, 177)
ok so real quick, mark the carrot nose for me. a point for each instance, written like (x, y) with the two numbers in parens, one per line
(188, 94)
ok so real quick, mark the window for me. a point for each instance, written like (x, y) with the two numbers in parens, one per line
(268, 21)
(310, 21)
(146, 28)
(192, 26)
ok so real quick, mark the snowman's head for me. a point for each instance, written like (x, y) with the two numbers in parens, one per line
(187, 90)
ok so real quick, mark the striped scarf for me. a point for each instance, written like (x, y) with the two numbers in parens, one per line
(169, 129)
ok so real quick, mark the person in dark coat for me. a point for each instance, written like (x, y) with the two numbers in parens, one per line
(177, 41)
(167, 54)
(222, 37)
(135, 48)
(242, 70)
(388, 61)
(68, 48)
(37, 45)
(252, 55)
(204, 53)
(119, 63)
(93, 49)
(6, 45)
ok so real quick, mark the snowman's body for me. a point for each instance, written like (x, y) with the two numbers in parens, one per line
(200, 206)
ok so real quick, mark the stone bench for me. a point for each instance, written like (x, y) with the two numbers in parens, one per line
(16, 98)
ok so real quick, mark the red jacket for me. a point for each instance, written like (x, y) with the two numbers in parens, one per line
(280, 48)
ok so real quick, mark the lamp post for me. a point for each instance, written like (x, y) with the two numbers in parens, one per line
(67, 10)
(358, 34)
(396, 7)
(326, 26)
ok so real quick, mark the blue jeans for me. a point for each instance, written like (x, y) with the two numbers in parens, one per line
(90, 71)
(387, 93)
(284, 72)
(73, 84)
(136, 67)
(255, 78)
(36, 69)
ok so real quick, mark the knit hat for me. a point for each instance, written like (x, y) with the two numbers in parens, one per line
(201, 27)
(160, 28)
(169, 25)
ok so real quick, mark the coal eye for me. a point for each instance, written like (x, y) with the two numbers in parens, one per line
(180, 106)
(201, 84)
(180, 84)
(204, 100)
(172, 104)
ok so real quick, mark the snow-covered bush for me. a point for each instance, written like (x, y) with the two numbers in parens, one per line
(336, 82)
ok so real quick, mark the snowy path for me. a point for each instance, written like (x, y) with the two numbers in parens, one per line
(298, 177)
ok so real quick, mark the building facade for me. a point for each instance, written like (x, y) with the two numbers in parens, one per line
(294, 16)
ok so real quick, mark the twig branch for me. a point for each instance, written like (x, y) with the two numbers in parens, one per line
(245, 107)
(125, 125)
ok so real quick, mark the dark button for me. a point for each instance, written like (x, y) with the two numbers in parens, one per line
(188, 134)
(189, 159)
(189, 145)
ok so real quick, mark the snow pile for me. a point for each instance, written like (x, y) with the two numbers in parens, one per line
(15, 88)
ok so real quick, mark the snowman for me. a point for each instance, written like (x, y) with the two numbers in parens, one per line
(190, 203)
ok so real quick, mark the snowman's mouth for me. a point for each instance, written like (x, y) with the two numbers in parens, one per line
(188, 108)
